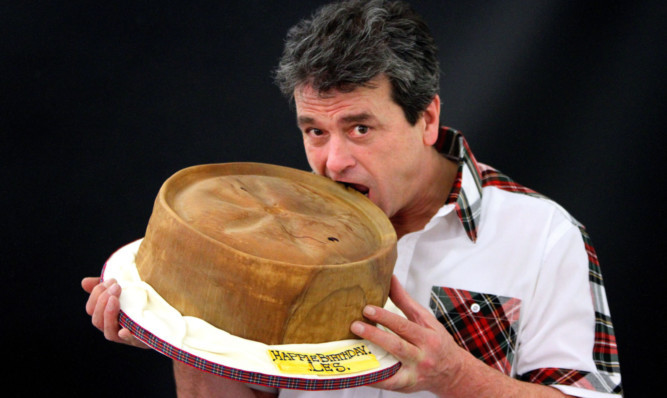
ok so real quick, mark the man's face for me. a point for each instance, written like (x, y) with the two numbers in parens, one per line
(361, 138)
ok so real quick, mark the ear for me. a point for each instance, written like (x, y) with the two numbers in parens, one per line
(432, 121)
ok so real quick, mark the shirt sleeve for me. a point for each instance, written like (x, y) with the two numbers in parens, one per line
(567, 338)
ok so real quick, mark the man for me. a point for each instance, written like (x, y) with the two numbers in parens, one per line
(507, 274)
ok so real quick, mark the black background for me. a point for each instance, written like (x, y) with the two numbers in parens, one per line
(102, 101)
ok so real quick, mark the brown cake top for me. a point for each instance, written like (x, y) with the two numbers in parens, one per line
(279, 219)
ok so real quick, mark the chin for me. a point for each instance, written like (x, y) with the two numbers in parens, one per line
(384, 210)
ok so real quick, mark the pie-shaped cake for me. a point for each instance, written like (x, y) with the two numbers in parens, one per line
(267, 253)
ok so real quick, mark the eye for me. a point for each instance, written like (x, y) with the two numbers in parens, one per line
(361, 129)
(314, 132)
(315, 137)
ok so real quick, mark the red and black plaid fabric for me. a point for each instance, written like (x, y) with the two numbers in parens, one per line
(484, 324)
(605, 353)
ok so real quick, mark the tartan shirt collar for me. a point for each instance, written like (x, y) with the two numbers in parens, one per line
(466, 193)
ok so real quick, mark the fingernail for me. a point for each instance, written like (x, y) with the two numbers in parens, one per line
(357, 327)
(114, 289)
(369, 310)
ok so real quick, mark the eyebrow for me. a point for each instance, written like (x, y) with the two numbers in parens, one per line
(355, 118)
(301, 120)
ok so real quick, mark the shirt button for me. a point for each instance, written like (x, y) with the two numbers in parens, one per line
(475, 308)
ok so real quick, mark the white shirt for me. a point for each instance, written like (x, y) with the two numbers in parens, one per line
(522, 256)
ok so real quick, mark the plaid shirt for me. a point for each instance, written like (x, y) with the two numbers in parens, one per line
(490, 331)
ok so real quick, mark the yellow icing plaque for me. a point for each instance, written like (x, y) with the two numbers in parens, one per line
(352, 359)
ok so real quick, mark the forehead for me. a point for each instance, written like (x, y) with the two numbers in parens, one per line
(372, 96)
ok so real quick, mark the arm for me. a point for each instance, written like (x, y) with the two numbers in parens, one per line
(431, 359)
(191, 382)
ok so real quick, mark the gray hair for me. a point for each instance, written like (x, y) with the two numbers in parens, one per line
(345, 45)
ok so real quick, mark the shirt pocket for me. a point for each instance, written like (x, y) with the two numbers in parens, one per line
(484, 324)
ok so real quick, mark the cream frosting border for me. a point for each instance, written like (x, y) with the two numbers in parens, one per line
(140, 302)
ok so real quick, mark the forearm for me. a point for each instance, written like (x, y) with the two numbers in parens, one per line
(191, 383)
(477, 380)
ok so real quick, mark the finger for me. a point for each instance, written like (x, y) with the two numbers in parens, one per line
(94, 298)
(104, 293)
(95, 294)
(405, 328)
(390, 342)
(111, 312)
(112, 329)
(401, 381)
(89, 283)
(128, 338)
(412, 309)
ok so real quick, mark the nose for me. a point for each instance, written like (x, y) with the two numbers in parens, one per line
(339, 157)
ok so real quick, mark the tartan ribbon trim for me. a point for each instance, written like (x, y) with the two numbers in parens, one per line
(605, 352)
(485, 325)
(471, 178)
(548, 376)
(453, 145)
(574, 378)
(244, 376)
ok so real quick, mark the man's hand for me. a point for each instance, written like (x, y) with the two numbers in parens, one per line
(431, 359)
(104, 307)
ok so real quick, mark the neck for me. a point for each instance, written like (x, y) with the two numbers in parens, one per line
(435, 187)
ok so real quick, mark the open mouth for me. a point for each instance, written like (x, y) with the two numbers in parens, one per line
(357, 187)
